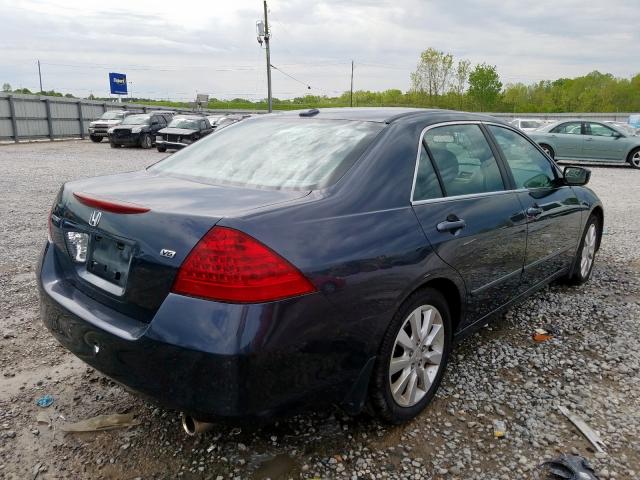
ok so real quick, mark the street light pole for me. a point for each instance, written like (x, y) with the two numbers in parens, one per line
(266, 43)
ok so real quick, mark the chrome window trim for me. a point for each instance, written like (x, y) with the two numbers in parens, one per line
(470, 195)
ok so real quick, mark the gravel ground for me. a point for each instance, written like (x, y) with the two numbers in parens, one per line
(591, 366)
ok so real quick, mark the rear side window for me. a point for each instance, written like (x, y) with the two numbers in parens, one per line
(287, 153)
(427, 185)
(570, 128)
(464, 160)
(529, 167)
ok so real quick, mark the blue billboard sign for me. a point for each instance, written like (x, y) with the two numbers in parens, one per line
(118, 83)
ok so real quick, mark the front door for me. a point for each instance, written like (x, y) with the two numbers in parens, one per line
(602, 143)
(472, 222)
(552, 209)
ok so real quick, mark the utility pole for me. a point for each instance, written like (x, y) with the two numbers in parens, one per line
(40, 75)
(266, 44)
(351, 83)
(262, 28)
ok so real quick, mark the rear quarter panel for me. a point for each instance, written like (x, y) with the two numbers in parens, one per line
(359, 241)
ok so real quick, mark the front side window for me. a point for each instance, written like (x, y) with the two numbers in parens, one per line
(570, 128)
(600, 130)
(464, 160)
(529, 166)
(290, 153)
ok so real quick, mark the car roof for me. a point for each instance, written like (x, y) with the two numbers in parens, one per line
(189, 117)
(386, 114)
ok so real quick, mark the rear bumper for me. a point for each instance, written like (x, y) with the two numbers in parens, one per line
(209, 359)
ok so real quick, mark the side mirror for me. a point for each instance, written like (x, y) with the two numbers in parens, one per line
(576, 175)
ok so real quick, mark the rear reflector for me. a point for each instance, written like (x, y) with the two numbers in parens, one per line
(114, 206)
(230, 266)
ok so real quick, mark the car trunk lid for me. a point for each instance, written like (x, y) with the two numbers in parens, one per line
(139, 228)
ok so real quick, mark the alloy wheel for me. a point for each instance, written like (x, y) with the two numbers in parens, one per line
(588, 251)
(635, 159)
(417, 355)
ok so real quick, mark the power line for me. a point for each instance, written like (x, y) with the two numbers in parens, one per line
(292, 77)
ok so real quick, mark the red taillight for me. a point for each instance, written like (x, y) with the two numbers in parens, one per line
(230, 266)
(114, 206)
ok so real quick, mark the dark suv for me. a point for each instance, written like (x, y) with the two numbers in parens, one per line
(139, 130)
(183, 131)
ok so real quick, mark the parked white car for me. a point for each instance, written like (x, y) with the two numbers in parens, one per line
(527, 124)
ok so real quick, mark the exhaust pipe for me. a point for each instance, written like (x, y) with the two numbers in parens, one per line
(193, 427)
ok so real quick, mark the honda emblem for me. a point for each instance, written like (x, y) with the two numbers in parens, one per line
(96, 215)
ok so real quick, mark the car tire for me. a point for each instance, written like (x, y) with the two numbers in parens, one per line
(548, 150)
(634, 158)
(114, 145)
(95, 139)
(162, 149)
(400, 392)
(585, 258)
(146, 141)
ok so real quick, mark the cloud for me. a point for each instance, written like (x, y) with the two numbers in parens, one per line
(176, 49)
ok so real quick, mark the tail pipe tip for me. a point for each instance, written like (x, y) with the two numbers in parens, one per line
(193, 427)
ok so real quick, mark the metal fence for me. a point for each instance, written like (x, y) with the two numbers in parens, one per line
(32, 117)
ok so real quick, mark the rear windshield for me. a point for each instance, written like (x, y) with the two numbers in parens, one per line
(136, 120)
(287, 153)
(529, 124)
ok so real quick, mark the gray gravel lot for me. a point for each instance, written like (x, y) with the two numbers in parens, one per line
(592, 366)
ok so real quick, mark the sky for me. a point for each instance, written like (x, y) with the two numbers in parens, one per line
(175, 49)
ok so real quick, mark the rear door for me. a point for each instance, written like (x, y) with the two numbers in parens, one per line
(473, 222)
(552, 209)
(567, 139)
(603, 143)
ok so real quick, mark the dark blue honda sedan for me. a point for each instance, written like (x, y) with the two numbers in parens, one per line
(312, 257)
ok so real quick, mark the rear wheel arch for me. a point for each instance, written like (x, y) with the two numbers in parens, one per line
(548, 149)
(452, 294)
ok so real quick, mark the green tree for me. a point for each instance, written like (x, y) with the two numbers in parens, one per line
(6, 87)
(461, 78)
(484, 85)
(433, 73)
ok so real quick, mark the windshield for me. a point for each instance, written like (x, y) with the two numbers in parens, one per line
(275, 153)
(136, 120)
(112, 115)
(529, 124)
(184, 123)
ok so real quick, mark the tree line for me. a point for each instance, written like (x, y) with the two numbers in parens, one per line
(441, 81)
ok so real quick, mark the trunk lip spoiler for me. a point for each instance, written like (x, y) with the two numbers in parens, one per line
(109, 205)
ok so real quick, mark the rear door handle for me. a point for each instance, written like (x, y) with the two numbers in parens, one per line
(452, 226)
(534, 212)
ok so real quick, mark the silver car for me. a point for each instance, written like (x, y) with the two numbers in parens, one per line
(586, 140)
